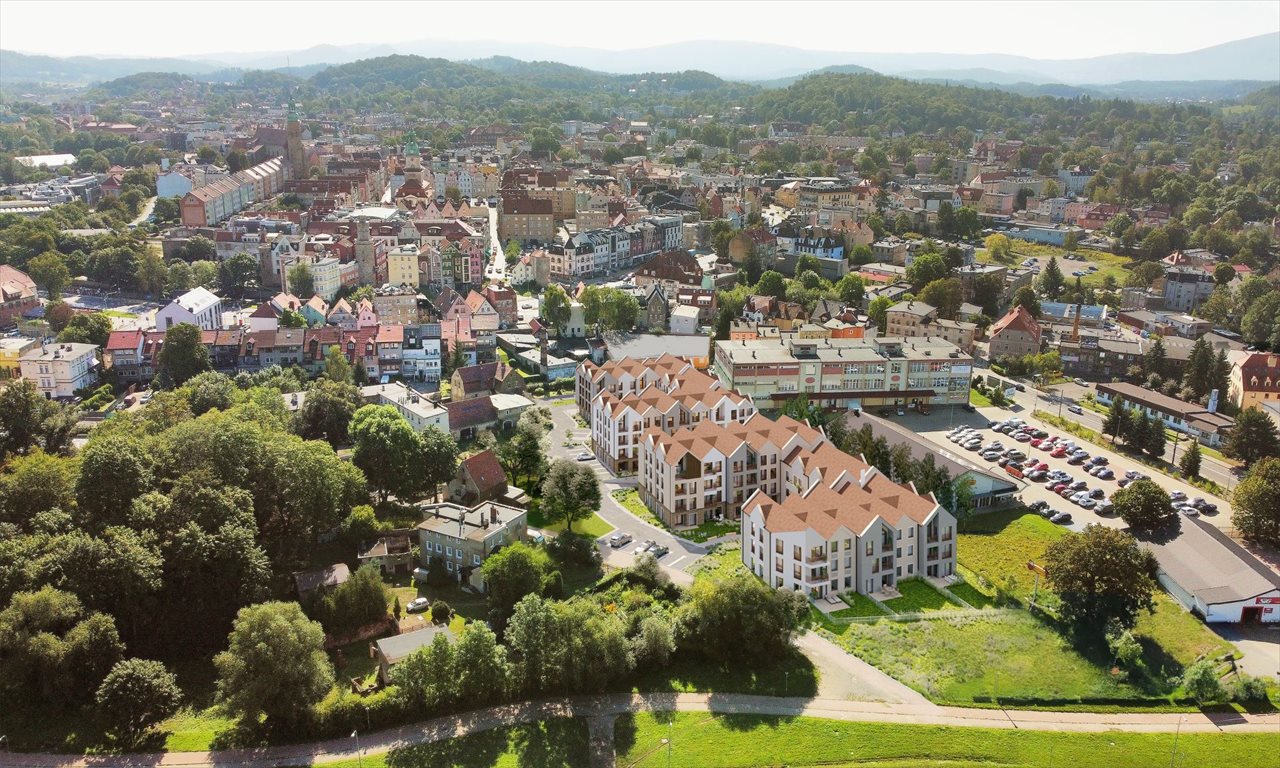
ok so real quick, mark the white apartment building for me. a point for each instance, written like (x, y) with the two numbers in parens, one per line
(415, 407)
(402, 265)
(198, 306)
(707, 472)
(842, 526)
(618, 422)
(58, 370)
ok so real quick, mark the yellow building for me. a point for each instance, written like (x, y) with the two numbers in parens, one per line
(10, 350)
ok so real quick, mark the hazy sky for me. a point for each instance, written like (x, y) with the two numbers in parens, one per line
(191, 28)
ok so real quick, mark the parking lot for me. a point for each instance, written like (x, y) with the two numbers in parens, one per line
(936, 426)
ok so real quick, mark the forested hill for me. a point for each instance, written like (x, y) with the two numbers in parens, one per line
(894, 103)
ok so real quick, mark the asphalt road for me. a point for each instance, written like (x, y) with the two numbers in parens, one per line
(682, 555)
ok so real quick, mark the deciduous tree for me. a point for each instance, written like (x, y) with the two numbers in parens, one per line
(1255, 502)
(1143, 505)
(274, 665)
(1101, 576)
(183, 355)
(570, 492)
(136, 694)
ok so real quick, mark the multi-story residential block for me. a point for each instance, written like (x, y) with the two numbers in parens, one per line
(505, 302)
(668, 404)
(623, 377)
(463, 537)
(846, 373)
(1017, 334)
(915, 319)
(840, 525)
(416, 408)
(1186, 288)
(707, 472)
(525, 219)
(1255, 379)
(197, 306)
(17, 294)
(58, 370)
(420, 356)
(123, 356)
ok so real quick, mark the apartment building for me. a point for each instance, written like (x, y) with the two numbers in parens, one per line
(1186, 288)
(198, 306)
(846, 373)
(525, 219)
(689, 398)
(840, 525)
(625, 376)
(58, 370)
(463, 537)
(1017, 334)
(707, 472)
(915, 319)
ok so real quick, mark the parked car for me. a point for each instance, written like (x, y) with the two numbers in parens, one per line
(1097, 493)
(1061, 518)
(1038, 505)
(1059, 452)
(1022, 437)
(1189, 510)
(418, 605)
(1104, 507)
(619, 540)
(659, 551)
(1105, 474)
(1075, 409)
(1177, 496)
(645, 546)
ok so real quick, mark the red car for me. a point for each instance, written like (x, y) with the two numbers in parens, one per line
(1059, 488)
(1041, 467)
(1036, 443)
(1058, 453)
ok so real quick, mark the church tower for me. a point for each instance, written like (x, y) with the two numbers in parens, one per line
(296, 158)
(365, 259)
(411, 193)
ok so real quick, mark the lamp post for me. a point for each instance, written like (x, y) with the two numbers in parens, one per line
(1178, 732)
(359, 760)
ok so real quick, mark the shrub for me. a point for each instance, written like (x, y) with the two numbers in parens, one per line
(1248, 688)
(441, 612)
(1201, 682)
(437, 574)
(571, 549)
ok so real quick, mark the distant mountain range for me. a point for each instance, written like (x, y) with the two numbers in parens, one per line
(1221, 71)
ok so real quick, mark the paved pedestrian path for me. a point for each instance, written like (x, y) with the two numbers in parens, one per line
(453, 726)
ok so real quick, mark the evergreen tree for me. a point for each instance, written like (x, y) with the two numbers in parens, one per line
(1117, 421)
(1199, 372)
(1051, 282)
(1153, 362)
(1190, 461)
(1252, 438)
(1155, 440)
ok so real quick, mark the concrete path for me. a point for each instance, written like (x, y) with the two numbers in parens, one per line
(600, 706)
(845, 677)
(147, 208)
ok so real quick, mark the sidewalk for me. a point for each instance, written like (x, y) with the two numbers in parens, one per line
(850, 711)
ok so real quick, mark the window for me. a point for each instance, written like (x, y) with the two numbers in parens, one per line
(448, 551)
(439, 547)
(448, 566)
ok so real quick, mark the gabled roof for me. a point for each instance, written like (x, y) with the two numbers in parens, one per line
(471, 413)
(122, 340)
(485, 472)
(1017, 319)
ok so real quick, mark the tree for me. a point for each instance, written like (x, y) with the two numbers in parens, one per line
(301, 282)
(28, 419)
(93, 328)
(807, 262)
(115, 469)
(570, 491)
(54, 650)
(946, 218)
(946, 295)
(151, 275)
(1253, 437)
(902, 223)
(274, 664)
(357, 602)
(851, 290)
(1026, 298)
(1153, 442)
(861, 254)
(556, 309)
(878, 312)
(336, 367)
(1256, 325)
(1144, 274)
(1255, 503)
(1200, 681)
(136, 694)
(204, 273)
(34, 484)
(998, 246)
(58, 315)
(1154, 360)
(1189, 464)
(967, 223)
(439, 461)
(201, 248)
(1051, 282)
(183, 354)
(1223, 274)
(1070, 241)
(753, 622)
(210, 390)
(511, 573)
(327, 410)
(480, 665)
(926, 268)
(238, 273)
(237, 160)
(387, 449)
(1143, 505)
(426, 677)
(49, 271)
(524, 455)
(1101, 577)
(180, 276)
(772, 284)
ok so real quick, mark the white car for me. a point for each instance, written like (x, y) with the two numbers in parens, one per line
(645, 546)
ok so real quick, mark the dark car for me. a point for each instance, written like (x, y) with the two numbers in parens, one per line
(969, 407)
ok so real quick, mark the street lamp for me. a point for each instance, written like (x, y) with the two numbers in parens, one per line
(359, 760)
(1173, 755)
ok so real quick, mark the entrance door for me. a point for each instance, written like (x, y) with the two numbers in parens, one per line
(1251, 614)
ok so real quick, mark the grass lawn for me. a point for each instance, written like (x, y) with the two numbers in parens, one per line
(118, 313)
(860, 605)
(708, 531)
(630, 501)
(547, 744)
(979, 400)
(968, 659)
(722, 562)
(918, 596)
(792, 675)
(562, 401)
(997, 545)
(971, 595)
(593, 526)
(703, 740)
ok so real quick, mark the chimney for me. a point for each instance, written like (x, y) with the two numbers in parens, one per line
(493, 514)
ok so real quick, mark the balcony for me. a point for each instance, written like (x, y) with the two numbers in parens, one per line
(816, 556)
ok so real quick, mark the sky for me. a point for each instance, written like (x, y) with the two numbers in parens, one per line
(1039, 29)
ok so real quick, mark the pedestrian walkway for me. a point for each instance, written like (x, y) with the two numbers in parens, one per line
(454, 726)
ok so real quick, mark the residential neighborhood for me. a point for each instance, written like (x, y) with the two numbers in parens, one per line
(721, 399)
